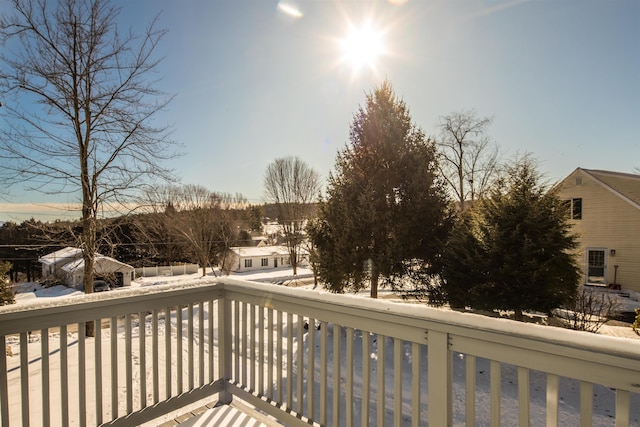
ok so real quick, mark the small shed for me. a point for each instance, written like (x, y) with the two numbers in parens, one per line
(113, 271)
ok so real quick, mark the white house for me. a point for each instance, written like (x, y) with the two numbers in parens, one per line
(113, 271)
(52, 263)
(67, 265)
(263, 257)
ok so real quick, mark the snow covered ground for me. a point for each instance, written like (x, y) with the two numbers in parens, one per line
(604, 398)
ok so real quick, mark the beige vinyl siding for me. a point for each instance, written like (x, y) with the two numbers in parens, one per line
(608, 222)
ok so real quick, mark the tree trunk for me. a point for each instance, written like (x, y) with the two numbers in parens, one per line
(374, 280)
(518, 315)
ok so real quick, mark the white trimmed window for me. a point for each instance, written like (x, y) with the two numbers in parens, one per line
(265, 262)
(248, 263)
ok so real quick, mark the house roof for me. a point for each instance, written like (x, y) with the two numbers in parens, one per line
(67, 253)
(102, 264)
(624, 185)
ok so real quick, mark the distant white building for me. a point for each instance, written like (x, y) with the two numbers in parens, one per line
(67, 265)
(263, 258)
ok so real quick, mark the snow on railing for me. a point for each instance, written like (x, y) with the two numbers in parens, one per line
(304, 357)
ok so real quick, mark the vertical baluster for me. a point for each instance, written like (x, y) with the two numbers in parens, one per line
(210, 341)
(349, 374)
(4, 386)
(44, 354)
(24, 377)
(236, 333)
(415, 385)
(190, 344)
(201, 343)
(586, 404)
(366, 377)
(523, 395)
(114, 368)
(553, 387)
(289, 360)
(224, 347)
(311, 354)
(98, 369)
(244, 344)
(279, 363)
(470, 389)
(270, 355)
(323, 373)
(397, 381)
(82, 378)
(142, 354)
(179, 351)
(64, 376)
(252, 345)
(337, 331)
(623, 401)
(495, 383)
(261, 350)
(381, 405)
(439, 379)
(154, 351)
(300, 363)
(128, 362)
(167, 353)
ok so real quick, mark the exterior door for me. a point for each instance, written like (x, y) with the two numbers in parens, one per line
(596, 267)
(275, 262)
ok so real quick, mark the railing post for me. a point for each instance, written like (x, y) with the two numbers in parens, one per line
(224, 346)
(439, 379)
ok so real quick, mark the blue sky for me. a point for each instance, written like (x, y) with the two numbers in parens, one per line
(561, 78)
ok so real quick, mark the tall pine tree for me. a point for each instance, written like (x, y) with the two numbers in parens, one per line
(386, 209)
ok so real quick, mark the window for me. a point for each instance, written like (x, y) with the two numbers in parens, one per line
(576, 208)
(265, 262)
(248, 263)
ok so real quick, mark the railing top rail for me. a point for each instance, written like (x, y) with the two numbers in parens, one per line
(56, 312)
(429, 318)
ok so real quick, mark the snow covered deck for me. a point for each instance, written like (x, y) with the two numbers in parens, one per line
(302, 357)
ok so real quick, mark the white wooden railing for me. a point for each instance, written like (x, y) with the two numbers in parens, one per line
(304, 357)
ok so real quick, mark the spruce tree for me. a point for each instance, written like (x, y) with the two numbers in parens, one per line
(386, 208)
(514, 250)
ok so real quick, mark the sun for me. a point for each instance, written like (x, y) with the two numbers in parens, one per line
(362, 47)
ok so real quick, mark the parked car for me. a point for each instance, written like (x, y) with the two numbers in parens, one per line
(101, 286)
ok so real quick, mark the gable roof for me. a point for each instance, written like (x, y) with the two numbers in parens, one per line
(624, 185)
(67, 254)
(101, 264)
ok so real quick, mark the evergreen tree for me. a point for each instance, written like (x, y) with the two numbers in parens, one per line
(385, 207)
(514, 250)
(6, 294)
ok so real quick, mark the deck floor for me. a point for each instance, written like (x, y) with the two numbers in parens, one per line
(236, 414)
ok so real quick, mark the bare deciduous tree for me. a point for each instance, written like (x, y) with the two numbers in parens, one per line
(468, 158)
(206, 222)
(292, 186)
(80, 100)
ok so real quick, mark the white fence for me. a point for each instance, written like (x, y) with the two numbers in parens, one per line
(167, 270)
(306, 358)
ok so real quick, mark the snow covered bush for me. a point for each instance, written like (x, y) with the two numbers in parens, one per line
(636, 323)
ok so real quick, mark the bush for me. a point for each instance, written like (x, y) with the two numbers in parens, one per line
(636, 323)
(589, 310)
